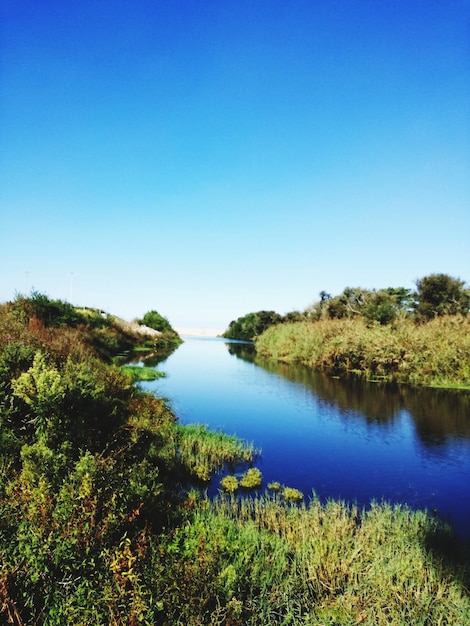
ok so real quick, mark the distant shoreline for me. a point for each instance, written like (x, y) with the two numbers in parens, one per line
(199, 332)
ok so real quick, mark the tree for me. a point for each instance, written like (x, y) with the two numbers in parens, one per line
(251, 325)
(154, 320)
(440, 294)
(386, 305)
(348, 304)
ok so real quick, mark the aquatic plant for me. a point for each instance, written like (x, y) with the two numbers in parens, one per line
(229, 484)
(292, 495)
(139, 374)
(203, 451)
(251, 479)
(274, 486)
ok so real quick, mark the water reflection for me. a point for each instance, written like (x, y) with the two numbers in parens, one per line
(438, 415)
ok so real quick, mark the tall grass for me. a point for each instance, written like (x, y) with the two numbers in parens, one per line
(433, 354)
(203, 451)
(264, 562)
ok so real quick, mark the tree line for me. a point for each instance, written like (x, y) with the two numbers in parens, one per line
(435, 295)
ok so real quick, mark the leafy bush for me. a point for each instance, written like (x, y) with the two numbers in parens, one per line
(154, 320)
(440, 294)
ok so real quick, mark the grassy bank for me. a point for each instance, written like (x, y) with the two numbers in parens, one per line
(260, 562)
(436, 353)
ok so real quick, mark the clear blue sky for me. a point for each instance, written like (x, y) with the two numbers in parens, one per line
(210, 158)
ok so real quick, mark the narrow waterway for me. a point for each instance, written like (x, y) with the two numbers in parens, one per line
(352, 441)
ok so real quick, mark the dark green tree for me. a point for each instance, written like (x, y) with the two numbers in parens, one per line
(154, 320)
(348, 304)
(386, 305)
(248, 327)
(440, 294)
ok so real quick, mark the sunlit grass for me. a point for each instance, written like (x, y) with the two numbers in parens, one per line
(433, 354)
(251, 479)
(203, 451)
(270, 562)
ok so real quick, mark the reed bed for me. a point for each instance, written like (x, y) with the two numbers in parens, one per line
(263, 561)
(436, 353)
(203, 451)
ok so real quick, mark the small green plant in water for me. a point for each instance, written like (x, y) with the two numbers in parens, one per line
(137, 373)
(292, 495)
(251, 479)
(274, 486)
(229, 484)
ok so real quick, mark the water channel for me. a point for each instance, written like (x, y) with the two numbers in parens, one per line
(344, 440)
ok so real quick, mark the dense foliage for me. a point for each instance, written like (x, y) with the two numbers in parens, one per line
(248, 327)
(435, 295)
(440, 294)
(154, 320)
(432, 354)
(97, 525)
(392, 334)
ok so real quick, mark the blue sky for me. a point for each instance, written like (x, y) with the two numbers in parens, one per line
(211, 158)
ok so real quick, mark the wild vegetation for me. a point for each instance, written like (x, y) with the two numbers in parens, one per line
(392, 335)
(264, 561)
(99, 523)
(433, 354)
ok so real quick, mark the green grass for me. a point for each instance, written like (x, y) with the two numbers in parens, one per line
(139, 374)
(203, 451)
(260, 561)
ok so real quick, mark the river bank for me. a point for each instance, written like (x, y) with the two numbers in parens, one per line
(433, 354)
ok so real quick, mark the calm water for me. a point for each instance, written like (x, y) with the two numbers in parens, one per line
(352, 441)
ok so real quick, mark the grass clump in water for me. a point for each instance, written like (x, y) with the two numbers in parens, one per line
(292, 495)
(141, 374)
(203, 451)
(229, 484)
(251, 479)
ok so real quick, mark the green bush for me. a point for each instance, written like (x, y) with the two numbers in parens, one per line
(154, 320)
